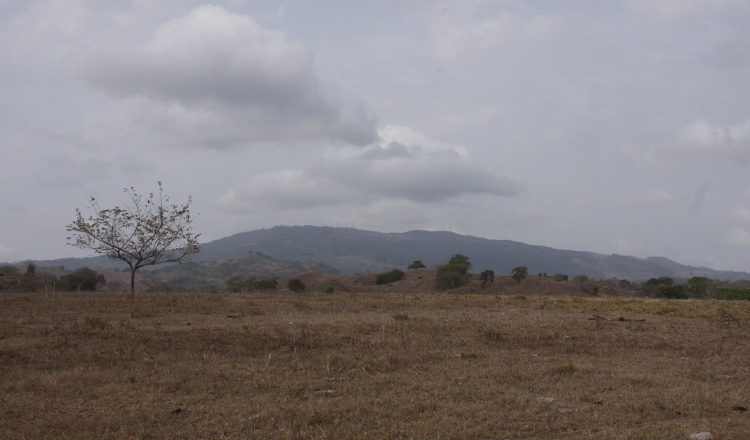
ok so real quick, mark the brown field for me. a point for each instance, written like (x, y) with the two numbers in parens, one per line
(378, 366)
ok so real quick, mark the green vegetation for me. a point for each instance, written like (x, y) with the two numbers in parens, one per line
(454, 274)
(487, 277)
(144, 233)
(519, 273)
(295, 285)
(560, 277)
(417, 264)
(269, 284)
(389, 277)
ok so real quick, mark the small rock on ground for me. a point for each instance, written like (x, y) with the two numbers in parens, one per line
(701, 435)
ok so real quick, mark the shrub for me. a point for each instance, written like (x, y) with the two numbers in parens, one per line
(295, 285)
(389, 277)
(329, 289)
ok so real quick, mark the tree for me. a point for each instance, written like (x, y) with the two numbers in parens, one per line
(453, 274)
(560, 277)
(145, 232)
(417, 264)
(389, 277)
(698, 286)
(295, 285)
(82, 280)
(580, 280)
(486, 277)
(519, 273)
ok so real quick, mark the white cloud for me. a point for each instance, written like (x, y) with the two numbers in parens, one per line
(218, 79)
(705, 140)
(404, 165)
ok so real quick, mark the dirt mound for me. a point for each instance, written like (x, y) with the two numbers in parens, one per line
(423, 281)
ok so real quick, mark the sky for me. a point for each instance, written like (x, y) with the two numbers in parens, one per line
(616, 126)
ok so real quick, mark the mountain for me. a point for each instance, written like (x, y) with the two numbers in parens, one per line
(352, 251)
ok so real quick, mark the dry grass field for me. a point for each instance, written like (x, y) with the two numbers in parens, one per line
(377, 366)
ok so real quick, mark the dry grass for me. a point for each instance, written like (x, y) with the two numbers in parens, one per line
(371, 366)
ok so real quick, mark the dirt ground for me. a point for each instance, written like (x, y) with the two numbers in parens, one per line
(372, 366)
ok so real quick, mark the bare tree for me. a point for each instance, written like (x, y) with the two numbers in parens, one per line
(146, 232)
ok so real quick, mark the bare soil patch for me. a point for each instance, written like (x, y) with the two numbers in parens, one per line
(377, 365)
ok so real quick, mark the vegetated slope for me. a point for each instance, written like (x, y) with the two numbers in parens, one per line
(353, 251)
(212, 275)
(423, 281)
(357, 251)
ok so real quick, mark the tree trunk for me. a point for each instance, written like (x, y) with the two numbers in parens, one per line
(132, 282)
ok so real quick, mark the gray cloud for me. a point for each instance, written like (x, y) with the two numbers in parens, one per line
(397, 168)
(220, 80)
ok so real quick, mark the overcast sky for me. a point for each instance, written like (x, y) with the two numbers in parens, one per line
(605, 126)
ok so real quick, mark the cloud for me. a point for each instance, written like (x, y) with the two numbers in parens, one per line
(705, 140)
(739, 237)
(403, 165)
(218, 79)
(700, 197)
(6, 251)
(656, 198)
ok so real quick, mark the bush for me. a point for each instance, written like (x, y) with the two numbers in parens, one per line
(295, 285)
(389, 277)
(560, 277)
(329, 289)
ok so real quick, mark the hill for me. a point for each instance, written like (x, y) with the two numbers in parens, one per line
(352, 251)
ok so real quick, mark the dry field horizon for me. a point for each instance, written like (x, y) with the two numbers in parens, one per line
(371, 366)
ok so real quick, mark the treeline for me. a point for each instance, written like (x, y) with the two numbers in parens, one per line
(697, 287)
(13, 279)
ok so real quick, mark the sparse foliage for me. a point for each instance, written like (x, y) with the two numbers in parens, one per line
(560, 277)
(146, 232)
(580, 280)
(487, 277)
(519, 273)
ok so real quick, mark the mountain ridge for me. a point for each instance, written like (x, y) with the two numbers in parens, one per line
(352, 251)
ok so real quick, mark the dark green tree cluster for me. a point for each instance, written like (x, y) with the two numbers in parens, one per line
(389, 277)
(417, 264)
(454, 274)
(519, 273)
(38, 280)
(237, 284)
(487, 277)
(295, 285)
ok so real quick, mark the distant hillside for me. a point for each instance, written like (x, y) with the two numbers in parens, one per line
(356, 251)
